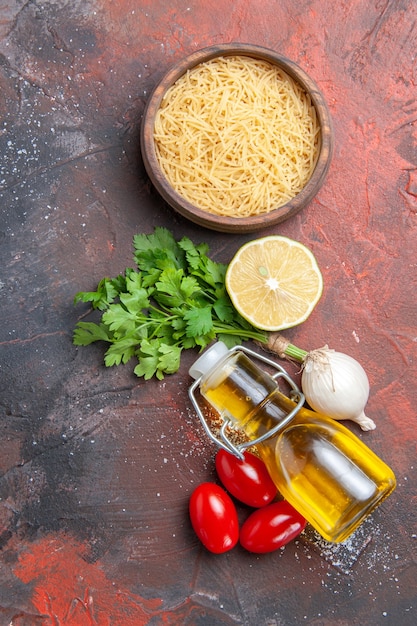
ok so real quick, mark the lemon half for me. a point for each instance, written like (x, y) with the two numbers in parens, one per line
(274, 282)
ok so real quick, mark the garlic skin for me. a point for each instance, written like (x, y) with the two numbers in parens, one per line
(337, 385)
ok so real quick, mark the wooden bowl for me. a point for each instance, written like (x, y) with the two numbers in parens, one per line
(204, 217)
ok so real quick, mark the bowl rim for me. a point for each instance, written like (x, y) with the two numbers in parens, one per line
(212, 220)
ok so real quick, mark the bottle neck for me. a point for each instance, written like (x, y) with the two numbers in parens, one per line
(247, 396)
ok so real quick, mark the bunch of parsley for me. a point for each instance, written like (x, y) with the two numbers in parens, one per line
(176, 300)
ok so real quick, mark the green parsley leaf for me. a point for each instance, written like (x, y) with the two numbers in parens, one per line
(117, 318)
(224, 309)
(157, 358)
(174, 289)
(156, 252)
(88, 332)
(148, 359)
(105, 294)
(121, 351)
(199, 321)
(169, 358)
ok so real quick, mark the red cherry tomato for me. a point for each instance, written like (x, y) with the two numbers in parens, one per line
(247, 480)
(214, 518)
(271, 527)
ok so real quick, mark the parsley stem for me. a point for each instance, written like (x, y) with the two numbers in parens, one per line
(242, 332)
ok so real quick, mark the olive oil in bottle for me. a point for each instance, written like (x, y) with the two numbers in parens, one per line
(327, 473)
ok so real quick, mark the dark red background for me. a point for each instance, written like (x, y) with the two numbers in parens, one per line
(96, 465)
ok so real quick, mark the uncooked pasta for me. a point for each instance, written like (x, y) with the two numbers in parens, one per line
(237, 136)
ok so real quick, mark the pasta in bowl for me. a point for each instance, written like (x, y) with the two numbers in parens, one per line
(236, 138)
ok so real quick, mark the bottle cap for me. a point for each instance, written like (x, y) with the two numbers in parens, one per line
(208, 360)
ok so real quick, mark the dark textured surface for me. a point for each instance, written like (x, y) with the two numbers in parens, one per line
(96, 465)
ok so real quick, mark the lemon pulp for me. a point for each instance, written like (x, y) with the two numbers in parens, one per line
(274, 282)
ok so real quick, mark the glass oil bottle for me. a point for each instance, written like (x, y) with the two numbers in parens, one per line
(327, 473)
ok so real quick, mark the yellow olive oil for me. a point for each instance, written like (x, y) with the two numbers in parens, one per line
(327, 473)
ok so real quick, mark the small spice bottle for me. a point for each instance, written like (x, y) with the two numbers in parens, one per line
(325, 471)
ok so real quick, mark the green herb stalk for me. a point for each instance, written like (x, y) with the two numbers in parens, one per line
(175, 299)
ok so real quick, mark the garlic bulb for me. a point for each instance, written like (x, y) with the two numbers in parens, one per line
(337, 385)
